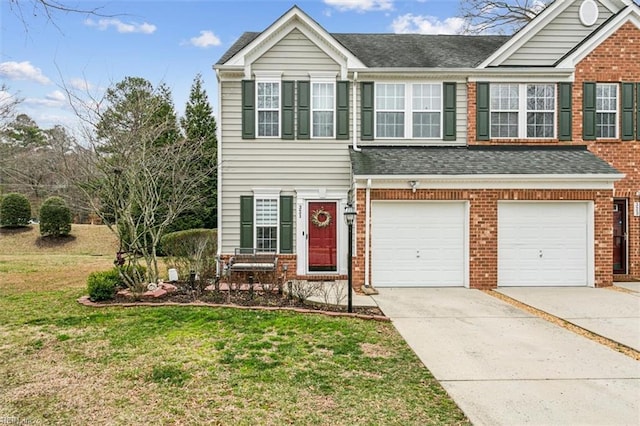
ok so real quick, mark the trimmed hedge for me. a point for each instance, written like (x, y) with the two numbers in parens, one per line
(186, 243)
(55, 217)
(15, 211)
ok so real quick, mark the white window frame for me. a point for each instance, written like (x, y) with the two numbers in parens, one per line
(268, 78)
(315, 82)
(522, 111)
(266, 194)
(408, 109)
(615, 111)
(415, 110)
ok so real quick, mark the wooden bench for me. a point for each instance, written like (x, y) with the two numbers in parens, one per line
(254, 265)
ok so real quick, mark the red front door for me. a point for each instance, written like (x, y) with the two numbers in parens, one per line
(620, 236)
(322, 241)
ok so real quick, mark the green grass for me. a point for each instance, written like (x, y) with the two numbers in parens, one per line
(63, 363)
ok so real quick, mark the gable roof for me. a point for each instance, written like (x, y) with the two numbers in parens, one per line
(478, 160)
(387, 50)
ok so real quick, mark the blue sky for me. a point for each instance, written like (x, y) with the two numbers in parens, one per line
(166, 41)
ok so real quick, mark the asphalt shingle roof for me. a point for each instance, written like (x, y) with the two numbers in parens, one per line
(477, 160)
(405, 50)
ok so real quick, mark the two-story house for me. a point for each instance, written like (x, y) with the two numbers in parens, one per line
(472, 161)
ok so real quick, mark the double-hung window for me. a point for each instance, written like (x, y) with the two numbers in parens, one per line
(390, 107)
(268, 108)
(426, 110)
(523, 110)
(606, 110)
(323, 109)
(266, 224)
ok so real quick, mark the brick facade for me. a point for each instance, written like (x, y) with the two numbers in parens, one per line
(483, 227)
(617, 59)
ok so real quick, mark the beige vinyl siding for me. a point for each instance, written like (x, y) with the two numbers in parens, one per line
(295, 55)
(557, 38)
(271, 163)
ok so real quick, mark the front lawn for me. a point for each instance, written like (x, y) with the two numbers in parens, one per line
(63, 363)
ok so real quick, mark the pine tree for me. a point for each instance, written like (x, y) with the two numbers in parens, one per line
(199, 124)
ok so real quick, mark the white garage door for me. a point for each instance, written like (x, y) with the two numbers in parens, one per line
(543, 244)
(418, 244)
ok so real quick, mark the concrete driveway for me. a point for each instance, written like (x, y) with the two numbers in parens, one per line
(504, 366)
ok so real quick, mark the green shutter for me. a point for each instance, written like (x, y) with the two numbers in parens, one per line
(626, 119)
(304, 103)
(638, 111)
(342, 110)
(589, 111)
(482, 111)
(366, 111)
(248, 109)
(286, 224)
(246, 221)
(564, 105)
(288, 103)
(449, 119)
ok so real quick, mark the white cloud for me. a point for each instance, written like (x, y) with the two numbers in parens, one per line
(23, 71)
(424, 24)
(121, 27)
(205, 39)
(81, 84)
(360, 5)
(53, 99)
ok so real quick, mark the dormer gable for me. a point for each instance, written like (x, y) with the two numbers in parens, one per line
(557, 31)
(293, 21)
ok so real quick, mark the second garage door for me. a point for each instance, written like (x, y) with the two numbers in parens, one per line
(544, 243)
(418, 244)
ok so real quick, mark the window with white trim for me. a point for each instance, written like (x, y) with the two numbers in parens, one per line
(390, 106)
(323, 109)
(523, 110)
(268, 108)
(266, 224)
(426, 110)
(408, 110)
(606, 110)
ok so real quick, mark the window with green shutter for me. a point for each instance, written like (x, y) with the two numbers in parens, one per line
(628, 112)
(366, 110)
(589, 111)
(342, 110)
(304, 110)
(248, 109)
(286, 224)
(565, 115)
(288, 105)
(482, 111)
(449, 107)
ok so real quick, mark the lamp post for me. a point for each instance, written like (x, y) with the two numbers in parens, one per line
(349, 216)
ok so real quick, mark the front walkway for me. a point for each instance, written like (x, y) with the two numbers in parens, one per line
(504, 366)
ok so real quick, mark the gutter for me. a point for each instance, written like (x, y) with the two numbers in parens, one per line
(367, 233)
(219, 170)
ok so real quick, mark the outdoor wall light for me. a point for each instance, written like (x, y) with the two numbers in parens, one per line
(414, 185)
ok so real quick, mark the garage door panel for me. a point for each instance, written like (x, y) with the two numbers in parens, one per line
(543, 244)
(418, 243)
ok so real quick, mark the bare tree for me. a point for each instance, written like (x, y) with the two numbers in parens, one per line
(136, 170)
(8, 103)
(495, 16)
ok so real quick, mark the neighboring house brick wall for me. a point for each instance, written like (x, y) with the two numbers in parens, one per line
(617, 59)
(483, 226)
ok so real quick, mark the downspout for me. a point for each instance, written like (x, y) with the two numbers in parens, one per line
(219, 170)
(354, 130)
(367, 236)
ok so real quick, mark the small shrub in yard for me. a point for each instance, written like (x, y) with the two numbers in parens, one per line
(191, 250)
(55, 217)
(103, 285)
(15, 211)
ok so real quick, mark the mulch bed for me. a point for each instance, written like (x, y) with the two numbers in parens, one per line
(238, 298)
